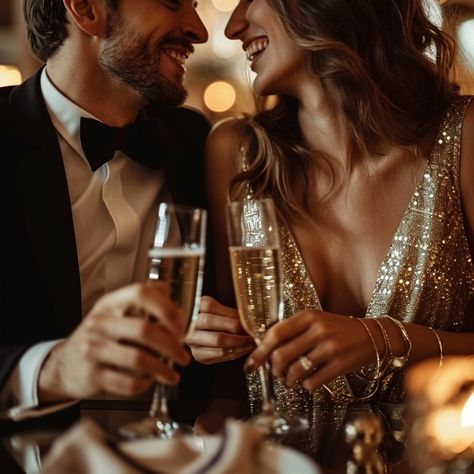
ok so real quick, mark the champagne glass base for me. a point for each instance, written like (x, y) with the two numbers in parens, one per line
(278, 424)
(154, 428)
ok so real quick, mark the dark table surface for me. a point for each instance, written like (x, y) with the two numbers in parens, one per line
(24, 443)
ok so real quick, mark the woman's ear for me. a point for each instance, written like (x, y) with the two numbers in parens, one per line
(88, 15)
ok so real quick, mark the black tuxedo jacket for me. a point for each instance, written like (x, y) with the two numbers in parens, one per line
(40, 294)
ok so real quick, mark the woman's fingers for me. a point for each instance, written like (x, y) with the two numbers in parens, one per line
(289, 352)
(277, 335)
(323, 374)
(308, 362)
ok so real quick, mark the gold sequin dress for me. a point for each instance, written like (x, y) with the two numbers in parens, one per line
(427, 277)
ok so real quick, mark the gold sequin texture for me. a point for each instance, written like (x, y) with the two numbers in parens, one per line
(427, 277)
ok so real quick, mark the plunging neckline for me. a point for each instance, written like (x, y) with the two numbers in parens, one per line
(426, 173)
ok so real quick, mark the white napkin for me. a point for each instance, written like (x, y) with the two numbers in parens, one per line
(85, 448)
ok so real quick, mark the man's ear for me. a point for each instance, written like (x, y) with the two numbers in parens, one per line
(88, 15)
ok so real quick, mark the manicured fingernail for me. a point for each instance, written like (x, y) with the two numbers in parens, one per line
(250, 364)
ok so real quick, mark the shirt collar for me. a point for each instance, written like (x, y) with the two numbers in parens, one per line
(65, 114)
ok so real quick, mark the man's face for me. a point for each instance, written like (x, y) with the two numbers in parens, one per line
(147, 43)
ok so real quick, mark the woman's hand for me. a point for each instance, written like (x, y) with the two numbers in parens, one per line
(329, 344)
(217, 335)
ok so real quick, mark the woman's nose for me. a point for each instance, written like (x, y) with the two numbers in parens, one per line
(237, 23)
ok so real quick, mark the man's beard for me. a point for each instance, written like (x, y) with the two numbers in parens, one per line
(134, 61)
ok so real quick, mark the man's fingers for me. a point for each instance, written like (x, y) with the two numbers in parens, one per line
(121, 383)
(143, 298)
(142, 332)
(138, 361)
(217, 339)
(211, 305)
(211, 355)
(214, 322)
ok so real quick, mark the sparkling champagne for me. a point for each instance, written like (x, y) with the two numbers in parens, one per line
(256, 277)
(182, 268)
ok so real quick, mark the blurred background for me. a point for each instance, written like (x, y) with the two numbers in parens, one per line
(218, 76)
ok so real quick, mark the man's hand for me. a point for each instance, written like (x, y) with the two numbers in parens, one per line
(217, 335)
(115, 351)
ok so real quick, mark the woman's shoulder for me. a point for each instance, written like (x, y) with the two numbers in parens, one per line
(467, 171)
(223, 149)
(227, 132)
(224, 143)
(469, 115)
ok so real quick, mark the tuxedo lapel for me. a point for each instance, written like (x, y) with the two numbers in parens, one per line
(46, 202)
(183, 134)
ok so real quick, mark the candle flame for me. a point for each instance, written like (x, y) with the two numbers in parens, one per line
(467, 415)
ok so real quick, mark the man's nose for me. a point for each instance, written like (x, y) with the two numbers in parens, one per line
(194, 28)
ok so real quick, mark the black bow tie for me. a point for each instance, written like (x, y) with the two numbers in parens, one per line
(139, 141)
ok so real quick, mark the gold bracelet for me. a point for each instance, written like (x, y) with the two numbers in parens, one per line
(440, 346)
(387, 358)
(376, 377)
(398, 362)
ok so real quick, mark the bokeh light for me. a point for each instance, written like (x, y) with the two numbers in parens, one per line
(466, 36)
(225, 5)
(9, 76)
(219, 96)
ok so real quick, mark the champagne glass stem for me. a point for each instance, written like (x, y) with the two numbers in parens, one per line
(266, 381)
(159, 404)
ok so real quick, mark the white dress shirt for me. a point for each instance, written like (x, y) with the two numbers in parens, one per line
(114, 213)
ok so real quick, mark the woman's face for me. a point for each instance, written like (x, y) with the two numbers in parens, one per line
(278, 61)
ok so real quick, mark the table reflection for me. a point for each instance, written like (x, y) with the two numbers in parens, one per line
(24, 445)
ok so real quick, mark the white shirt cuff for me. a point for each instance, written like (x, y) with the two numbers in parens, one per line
(19, 397)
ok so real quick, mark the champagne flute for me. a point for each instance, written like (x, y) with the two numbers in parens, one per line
(254, 249)
(177, 257)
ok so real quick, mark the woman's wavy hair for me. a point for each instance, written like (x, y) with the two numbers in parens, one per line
(386, 70)
(46, 25)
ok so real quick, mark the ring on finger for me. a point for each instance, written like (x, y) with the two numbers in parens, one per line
(228, 350)
(306, 363)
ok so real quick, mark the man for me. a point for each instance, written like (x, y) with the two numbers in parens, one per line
(77, 232)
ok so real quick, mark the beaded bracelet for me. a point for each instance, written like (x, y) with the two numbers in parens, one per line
(378, 364)
(398, 362)
(440, 346)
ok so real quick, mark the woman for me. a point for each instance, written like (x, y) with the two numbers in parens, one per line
(369, 158)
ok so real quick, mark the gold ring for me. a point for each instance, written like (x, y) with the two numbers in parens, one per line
(305, 363)
(228, 350)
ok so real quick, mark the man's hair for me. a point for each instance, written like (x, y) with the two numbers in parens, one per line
(46, 25)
